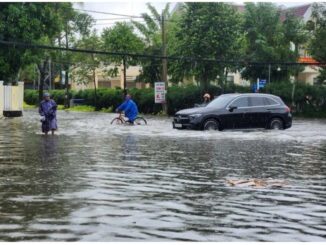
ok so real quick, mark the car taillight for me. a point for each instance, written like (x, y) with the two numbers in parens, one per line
(287, 109)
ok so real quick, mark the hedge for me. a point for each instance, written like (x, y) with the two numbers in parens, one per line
(308, 100)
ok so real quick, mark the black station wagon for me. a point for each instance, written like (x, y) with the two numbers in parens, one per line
(231, 111)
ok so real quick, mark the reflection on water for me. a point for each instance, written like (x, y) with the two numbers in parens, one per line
(100, 182)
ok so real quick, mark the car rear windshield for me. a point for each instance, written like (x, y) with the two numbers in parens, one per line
(221, 101)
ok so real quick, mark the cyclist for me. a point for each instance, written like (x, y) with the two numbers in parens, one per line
(130, 109)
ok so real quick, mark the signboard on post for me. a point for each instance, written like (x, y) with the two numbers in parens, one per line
(262, 83)
(159, 92)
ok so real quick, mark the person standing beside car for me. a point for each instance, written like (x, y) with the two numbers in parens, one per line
(207, 99)
(48, 113)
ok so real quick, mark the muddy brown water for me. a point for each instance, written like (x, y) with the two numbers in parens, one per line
(100, 182)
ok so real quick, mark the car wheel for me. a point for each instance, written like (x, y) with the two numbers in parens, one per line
(276, 124)
(211, 124)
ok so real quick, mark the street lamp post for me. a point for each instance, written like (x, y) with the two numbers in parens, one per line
(269, 73)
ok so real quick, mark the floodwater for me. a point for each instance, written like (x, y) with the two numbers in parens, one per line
(100, 182)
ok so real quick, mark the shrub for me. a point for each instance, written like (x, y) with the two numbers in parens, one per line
(307, 100)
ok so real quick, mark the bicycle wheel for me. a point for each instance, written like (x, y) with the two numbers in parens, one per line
(140, 121)
(117, 121)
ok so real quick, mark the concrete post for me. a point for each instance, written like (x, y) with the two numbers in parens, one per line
(21, 95)
(1, 98)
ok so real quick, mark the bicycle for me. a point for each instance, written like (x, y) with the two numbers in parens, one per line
(121, 120)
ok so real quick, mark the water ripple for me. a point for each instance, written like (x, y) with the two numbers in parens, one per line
(100, 182)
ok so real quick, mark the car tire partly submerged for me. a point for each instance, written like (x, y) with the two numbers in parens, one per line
(211, 124)
(276, 124)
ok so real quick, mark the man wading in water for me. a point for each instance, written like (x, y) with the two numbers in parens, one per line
(47, 110)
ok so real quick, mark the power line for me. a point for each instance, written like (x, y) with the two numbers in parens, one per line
(122, 18)
(108, 13)
(116, 14)
(135, 55)
(112, 23)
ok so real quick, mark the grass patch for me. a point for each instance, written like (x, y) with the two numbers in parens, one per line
(107, 110)
(60, 107)
(81, 108)
(311, 114)
(27, 106)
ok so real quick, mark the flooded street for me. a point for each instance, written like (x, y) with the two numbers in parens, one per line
(100, 182)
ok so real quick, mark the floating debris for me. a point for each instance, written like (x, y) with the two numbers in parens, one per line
(258, 183)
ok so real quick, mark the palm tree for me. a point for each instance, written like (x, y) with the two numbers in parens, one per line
(151, 32)
(152, 28)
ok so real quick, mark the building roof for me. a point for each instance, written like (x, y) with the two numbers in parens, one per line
(308, 60)
(298, 11)
(240, 8)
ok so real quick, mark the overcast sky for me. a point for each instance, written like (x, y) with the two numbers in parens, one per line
(134, 8)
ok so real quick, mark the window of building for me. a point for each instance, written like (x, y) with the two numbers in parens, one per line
(230, 79)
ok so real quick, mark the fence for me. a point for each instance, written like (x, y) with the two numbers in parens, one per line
(11, 100)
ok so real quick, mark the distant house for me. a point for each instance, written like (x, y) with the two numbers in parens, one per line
(310, 73)
(103, 80)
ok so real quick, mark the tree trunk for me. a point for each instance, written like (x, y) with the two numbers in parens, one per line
(124, 76)
(42, 70)
(225, 79)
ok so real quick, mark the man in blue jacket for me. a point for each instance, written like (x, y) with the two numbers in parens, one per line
(130, 109)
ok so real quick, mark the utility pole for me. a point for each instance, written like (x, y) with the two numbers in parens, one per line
(50, 74)
(164, 63)
(269, 73)
(67, 75)
(94, 80)
(60, 60)
(124, 76)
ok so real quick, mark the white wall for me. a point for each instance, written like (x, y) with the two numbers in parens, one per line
(1, 98)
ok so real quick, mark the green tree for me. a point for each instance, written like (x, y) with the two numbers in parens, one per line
(317, 44)
(75, 25)
(207, 30)
(37, 23)
(268, 39)
(151, 32)
(84, 70)
(121, 38)
(24, 22)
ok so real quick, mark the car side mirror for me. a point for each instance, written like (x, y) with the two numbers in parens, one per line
(232, 108)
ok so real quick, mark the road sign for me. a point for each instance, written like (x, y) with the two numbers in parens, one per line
(262, 83)
(160, 92)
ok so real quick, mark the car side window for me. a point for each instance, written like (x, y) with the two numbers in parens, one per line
(269, 101)
(257, 101)
(241, 102)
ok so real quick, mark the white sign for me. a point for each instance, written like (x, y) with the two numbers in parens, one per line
(160, 92)
(63, 77)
